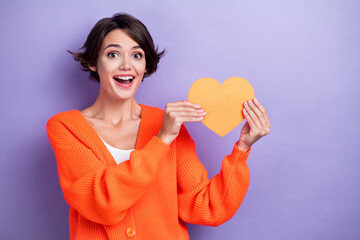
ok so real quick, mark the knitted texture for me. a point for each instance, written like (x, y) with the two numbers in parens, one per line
(149, 196)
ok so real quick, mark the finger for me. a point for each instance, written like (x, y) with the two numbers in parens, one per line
(191, 114)
(183, 114)
(184, 103)
(261, 107)
(264, 129)
(183, 108)
(253, 116)
(191, 119)
(249, 120)
(258, 113)
(186, 113)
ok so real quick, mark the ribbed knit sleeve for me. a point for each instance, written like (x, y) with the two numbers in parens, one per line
(99, 192)
(209, 202)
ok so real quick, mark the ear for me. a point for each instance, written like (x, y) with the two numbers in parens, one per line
(92, 68)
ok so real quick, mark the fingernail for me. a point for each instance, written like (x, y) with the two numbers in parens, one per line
(246, 104)
(256, 100)
(197, 106)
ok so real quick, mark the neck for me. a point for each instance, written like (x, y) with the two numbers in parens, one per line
(114, 111)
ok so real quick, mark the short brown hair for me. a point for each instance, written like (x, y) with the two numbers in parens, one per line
(133, 27)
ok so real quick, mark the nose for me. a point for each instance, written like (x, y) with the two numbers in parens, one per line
(125, 63)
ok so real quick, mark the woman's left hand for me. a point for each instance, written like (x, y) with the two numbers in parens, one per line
(257, 124)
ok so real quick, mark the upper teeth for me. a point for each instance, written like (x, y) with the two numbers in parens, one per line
(125, 77)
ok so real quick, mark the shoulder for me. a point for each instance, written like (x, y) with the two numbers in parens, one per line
(151, 114)
(69, 128)
(63, 117)
(152, 110)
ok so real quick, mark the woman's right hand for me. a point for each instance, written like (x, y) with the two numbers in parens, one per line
(176, 113)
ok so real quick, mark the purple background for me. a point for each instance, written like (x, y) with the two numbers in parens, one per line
(302, 58)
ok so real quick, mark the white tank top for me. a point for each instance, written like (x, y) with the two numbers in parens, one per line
(119, 155)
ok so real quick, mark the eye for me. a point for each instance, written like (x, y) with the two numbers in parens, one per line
(112, 54)
(137, 55)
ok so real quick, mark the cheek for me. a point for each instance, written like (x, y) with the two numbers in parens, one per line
(140, 66)
(106, 67)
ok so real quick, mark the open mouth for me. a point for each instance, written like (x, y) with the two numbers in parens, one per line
(124, 79)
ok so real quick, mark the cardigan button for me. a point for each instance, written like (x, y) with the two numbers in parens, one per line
(130, 232)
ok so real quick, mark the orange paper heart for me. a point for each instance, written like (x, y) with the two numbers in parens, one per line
(223, 103)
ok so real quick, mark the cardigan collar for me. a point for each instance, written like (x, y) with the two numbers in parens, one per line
(94, 141)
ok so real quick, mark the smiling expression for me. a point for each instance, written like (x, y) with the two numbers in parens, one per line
(121, 65)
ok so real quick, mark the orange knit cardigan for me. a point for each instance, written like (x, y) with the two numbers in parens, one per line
(151, 195)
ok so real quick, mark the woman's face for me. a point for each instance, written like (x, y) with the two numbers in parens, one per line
(121, 65)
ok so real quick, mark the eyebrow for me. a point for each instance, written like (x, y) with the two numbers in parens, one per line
(119, 46)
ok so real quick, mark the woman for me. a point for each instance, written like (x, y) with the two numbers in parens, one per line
(129, 170)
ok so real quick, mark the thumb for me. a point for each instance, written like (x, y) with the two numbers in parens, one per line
(245, 129)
